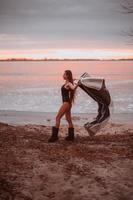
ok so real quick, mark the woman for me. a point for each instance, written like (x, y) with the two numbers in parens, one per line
(68, 95)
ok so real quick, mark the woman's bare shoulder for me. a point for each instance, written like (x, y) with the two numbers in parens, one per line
(70, 84)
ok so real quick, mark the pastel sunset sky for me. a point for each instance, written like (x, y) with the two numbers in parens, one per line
(64, 29)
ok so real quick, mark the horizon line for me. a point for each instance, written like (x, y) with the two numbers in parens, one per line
(65, 59)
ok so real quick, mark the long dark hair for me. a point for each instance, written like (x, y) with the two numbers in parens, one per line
(70, 79)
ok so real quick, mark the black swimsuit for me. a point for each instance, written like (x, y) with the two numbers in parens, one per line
(65, 94)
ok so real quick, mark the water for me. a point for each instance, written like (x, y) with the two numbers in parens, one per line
(35, 86)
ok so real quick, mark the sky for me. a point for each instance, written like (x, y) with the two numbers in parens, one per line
(64, 29)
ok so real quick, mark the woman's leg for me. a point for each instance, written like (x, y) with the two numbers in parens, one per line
(63, 109)
(70, 136)
(68, 118)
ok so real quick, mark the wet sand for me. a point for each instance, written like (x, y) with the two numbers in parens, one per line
(99, 168)
(43, 118)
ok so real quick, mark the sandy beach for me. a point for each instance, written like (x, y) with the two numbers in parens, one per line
(89, 168)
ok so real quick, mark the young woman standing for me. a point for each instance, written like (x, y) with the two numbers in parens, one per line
(68, 95)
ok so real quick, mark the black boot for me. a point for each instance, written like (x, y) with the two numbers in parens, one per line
(70, 136)
(54, 135)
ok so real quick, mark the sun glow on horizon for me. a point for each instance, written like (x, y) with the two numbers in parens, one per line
(68, 54)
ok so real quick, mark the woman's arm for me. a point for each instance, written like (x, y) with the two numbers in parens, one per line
(71, 86)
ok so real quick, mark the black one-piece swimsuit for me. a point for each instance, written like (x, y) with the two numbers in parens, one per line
(65, 94)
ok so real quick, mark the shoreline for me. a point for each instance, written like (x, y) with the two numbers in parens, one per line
(13, 117)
